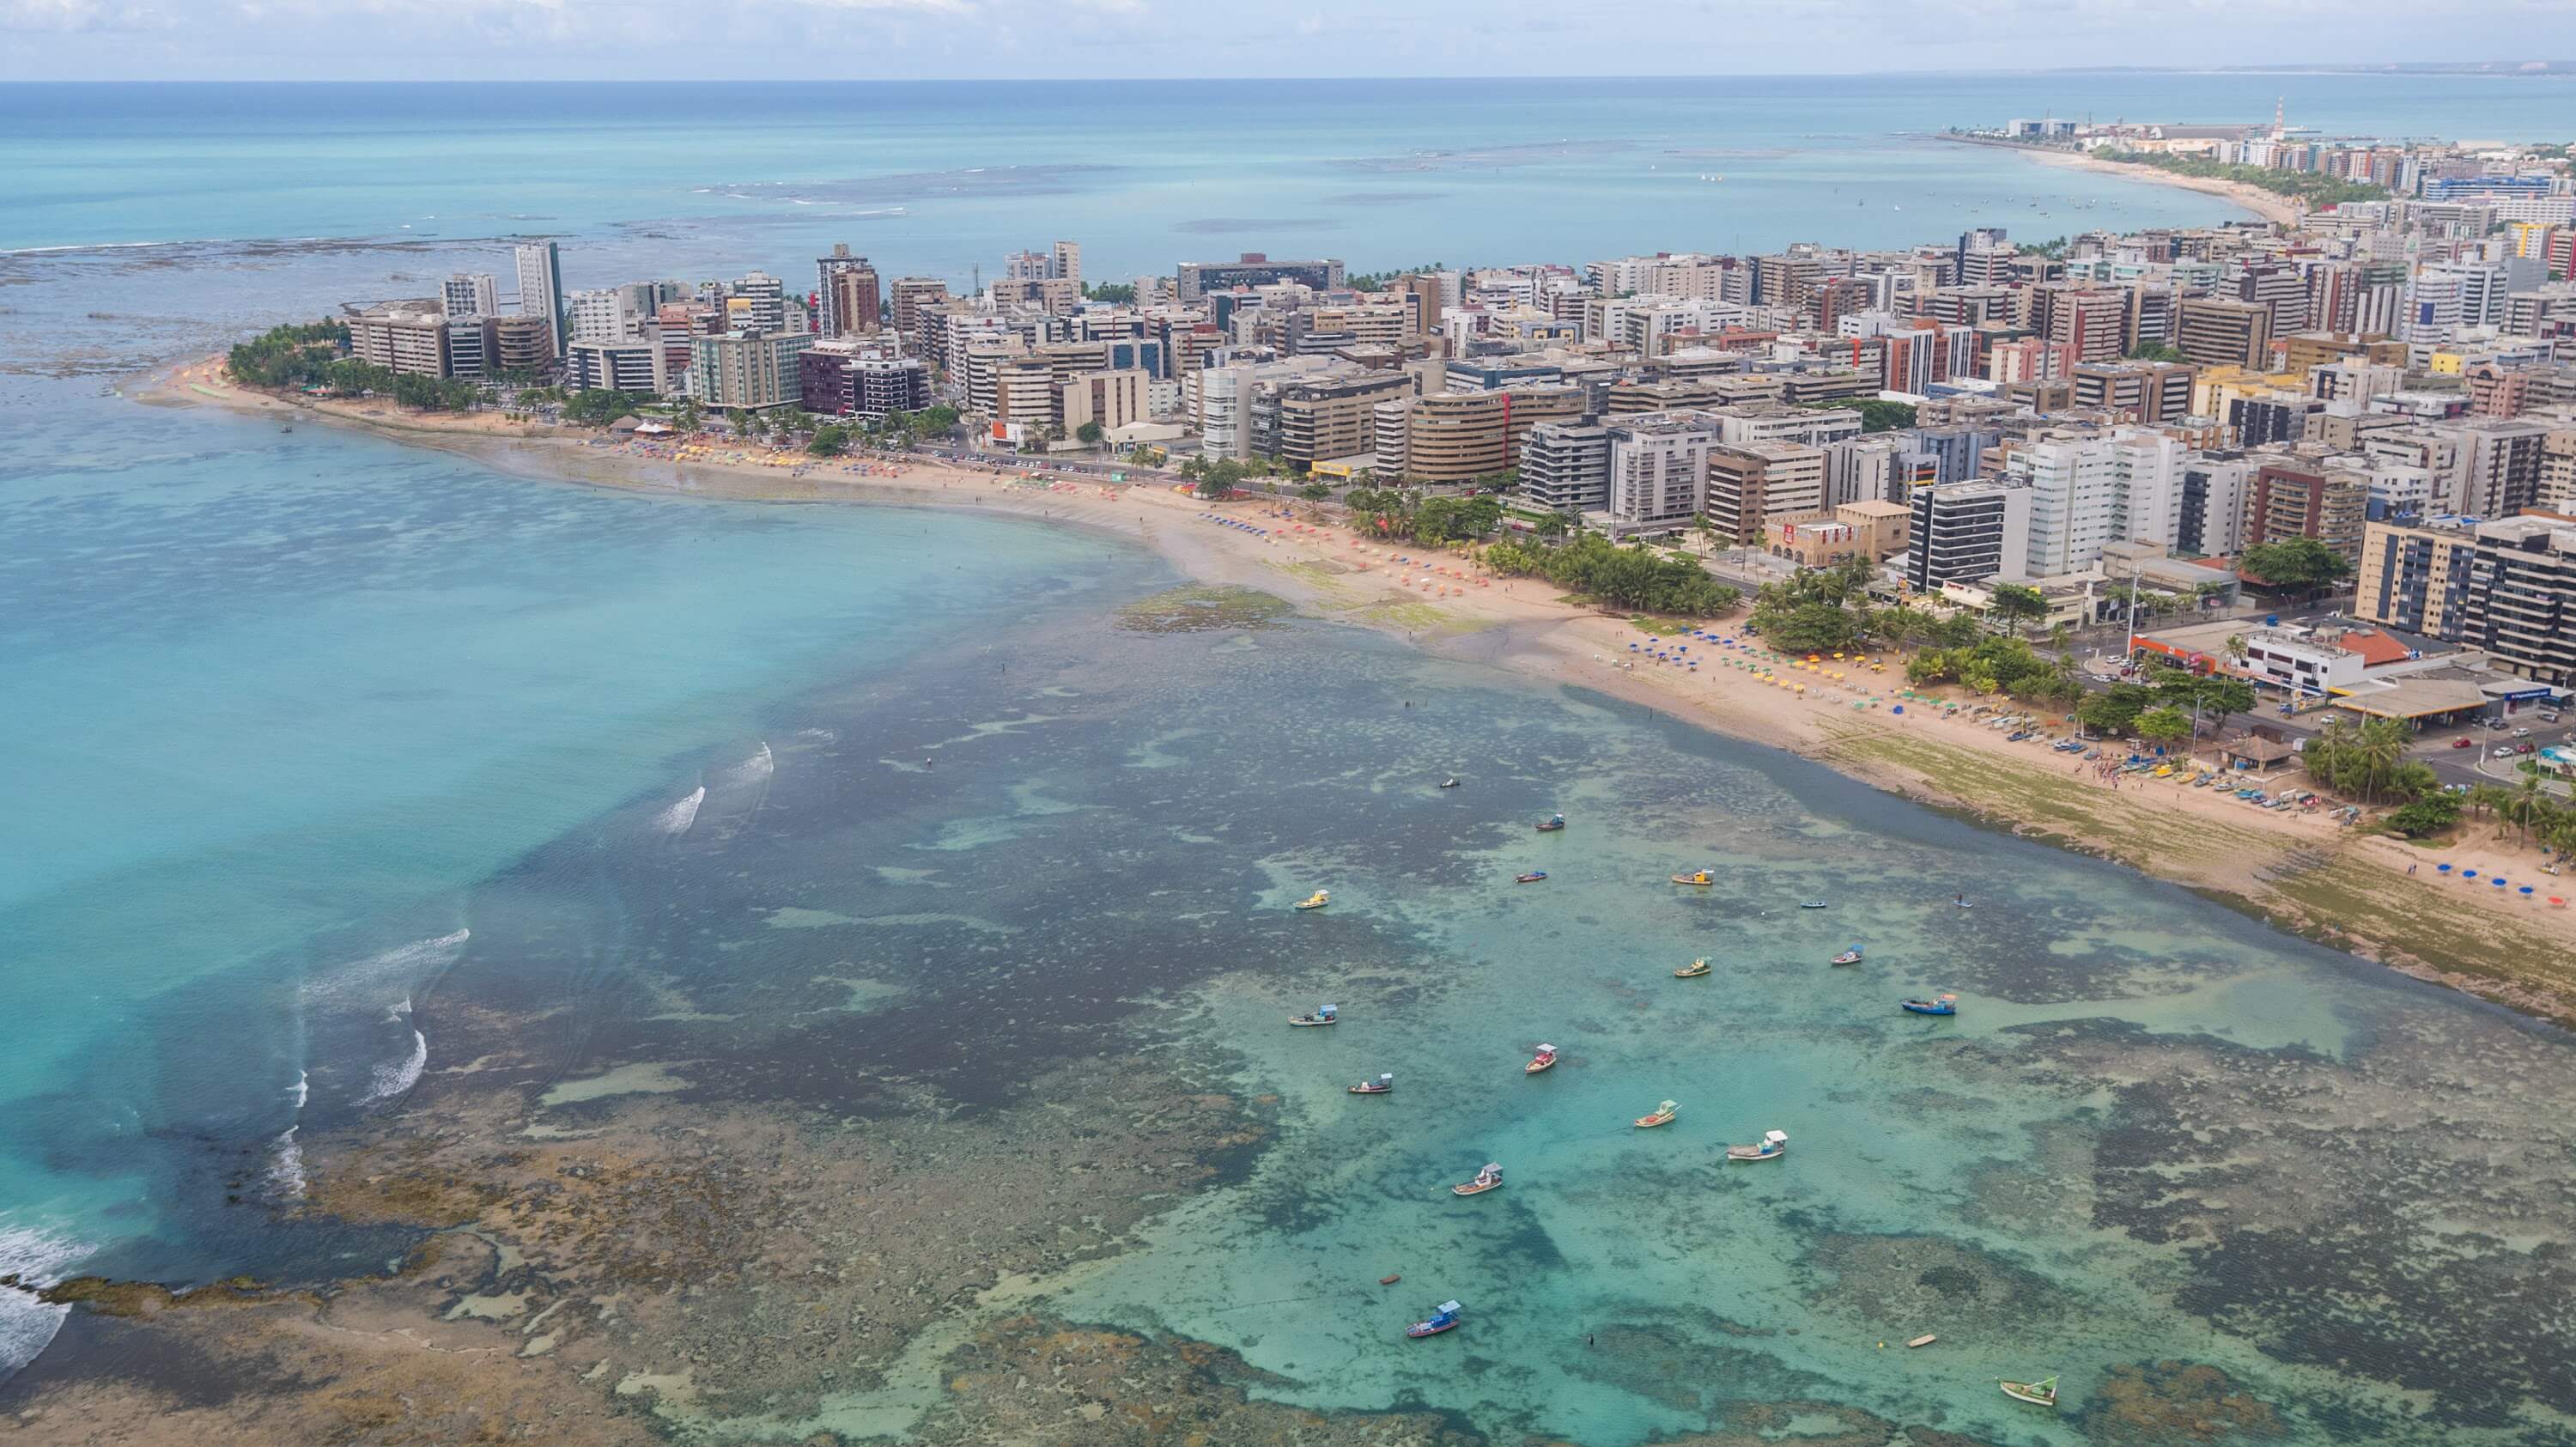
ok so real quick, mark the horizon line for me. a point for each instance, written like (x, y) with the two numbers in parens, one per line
(2506, 70)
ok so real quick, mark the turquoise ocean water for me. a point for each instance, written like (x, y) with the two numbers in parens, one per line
(301, 723)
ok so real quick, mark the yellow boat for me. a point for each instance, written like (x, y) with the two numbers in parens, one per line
(1317, 900)
(1691, 971)
(1663, 1115)
(1701, 877)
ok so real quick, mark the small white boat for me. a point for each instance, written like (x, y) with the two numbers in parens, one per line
(1486, 1180)
(1325, 1015)
(1774, 1144)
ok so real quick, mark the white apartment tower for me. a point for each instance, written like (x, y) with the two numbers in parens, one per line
(541, 290)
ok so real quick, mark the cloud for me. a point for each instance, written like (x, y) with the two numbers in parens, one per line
(78, 15)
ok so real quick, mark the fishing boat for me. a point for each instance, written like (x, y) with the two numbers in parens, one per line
(1554, 823)
(1390, 1279)
(1691, 971)
(1699, 877)
(1940, 1005)
(1774, 1143)
(1317, 900)
(1661, 1115)
(1544, 1060)
(1442, 1318)
(1379, 1086)
(2038, 1394)
(1848, 957)
(1448, 783)
(1324, 1015)
(1533, 877)
(1924, 1340)
(1812, 904)
(1486, 1179)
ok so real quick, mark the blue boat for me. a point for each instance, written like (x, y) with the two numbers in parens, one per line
(1444, 1317)
(1944, 1005)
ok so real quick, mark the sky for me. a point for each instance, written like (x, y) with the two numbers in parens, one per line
(1107, 39)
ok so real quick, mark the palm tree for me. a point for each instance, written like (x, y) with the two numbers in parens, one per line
(2382, 746)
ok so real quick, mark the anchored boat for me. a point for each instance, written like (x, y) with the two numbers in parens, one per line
(1533, 877)
(1544, 1060)
(1317, 900)
(1486, 1179)
(1442, 1318)
(1553, 824)
(1324, 1015)
(1774, 1144)
(1699, 877)
(1449, 783)
(1379, 1086)
(1812, 904)
(1661, 1115)
(1848, 957)
(2038, 1394)
(1943, 1005)
(1691, 971)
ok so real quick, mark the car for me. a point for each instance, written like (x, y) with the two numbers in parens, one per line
(2464, 743)
(2522, 733)
(2523, 747)
(2504, 751)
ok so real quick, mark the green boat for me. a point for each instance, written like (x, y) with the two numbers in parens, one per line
(2038, 1394)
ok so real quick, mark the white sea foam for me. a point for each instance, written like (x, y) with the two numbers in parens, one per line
(401, 968)
(678, 818)
(286, 1165)
(302, 1089)
(753, 770)
(819, 736)
(26, 1324)
(392, 1079)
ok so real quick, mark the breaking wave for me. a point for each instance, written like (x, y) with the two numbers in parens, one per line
(677, 818)
(753, 770)
(394, 1078)
(286, 1165)
(26, 1324)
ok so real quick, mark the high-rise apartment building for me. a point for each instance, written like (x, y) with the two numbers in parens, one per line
(912, 294)
(541, 291)
(470, 294)
(846, 299)
(1754, 484)
(756, 304)
(1565, 467)
(1967, 532)
(2307, 500)
(2216, 332)
(1658, 467)
(736, 369)
(2506, 587)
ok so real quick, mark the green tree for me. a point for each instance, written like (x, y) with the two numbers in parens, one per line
(1089, 433)
(830, 440)
(2015, 604)
(1316, 491)
(2155, 352)
(2166, 725)
(2426, 816)
(1115, 292)
(2299, 565)
(1876, 414)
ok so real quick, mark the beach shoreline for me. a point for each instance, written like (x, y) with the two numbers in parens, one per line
(2367, 894)
(2279, 209)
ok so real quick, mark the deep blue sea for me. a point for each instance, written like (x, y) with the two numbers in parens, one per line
(298, 723)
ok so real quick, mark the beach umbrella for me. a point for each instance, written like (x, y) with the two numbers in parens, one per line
(2498, 883)
(2556, 903)
(1900, 708)
(2528, 891)
(2441, 869)
(2468, 874)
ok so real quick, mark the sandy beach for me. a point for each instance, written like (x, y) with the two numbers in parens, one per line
(2378, 896)
(2262, 203)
